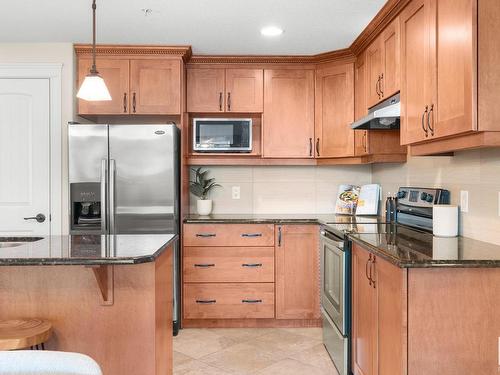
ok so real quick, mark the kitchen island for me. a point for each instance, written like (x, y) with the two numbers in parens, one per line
(109, 297)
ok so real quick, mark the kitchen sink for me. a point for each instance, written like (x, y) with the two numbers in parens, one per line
(6, 242)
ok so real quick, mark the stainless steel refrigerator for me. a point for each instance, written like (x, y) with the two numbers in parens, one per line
(124, 179)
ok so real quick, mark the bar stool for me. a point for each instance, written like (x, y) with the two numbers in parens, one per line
(24, 333)
(31, 362)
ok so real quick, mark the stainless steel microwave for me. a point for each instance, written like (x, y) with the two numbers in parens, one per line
(222, 134)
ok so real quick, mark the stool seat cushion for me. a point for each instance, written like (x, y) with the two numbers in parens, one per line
(35, 362)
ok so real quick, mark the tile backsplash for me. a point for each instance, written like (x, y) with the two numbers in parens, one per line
(477, 172)
(281, 190)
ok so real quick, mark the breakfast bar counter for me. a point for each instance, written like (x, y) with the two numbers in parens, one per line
(109, 297)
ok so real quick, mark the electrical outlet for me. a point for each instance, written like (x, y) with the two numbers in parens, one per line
(464, 201)
(235, 192)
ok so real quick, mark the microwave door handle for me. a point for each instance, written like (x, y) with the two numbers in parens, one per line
(104, 165)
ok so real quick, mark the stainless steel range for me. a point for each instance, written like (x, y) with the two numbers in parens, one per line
(414, 211)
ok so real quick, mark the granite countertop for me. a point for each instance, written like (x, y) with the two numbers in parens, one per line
(86, 249)
(276, 219)
(408, 248)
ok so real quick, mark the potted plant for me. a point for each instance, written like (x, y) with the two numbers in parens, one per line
(201, 187)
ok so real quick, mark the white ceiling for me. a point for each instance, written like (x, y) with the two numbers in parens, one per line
(210, 26)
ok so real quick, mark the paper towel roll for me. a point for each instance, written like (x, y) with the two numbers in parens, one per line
(445, 220)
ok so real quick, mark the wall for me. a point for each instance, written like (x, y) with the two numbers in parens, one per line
(304, 189)
(477, 171)
(53, 53)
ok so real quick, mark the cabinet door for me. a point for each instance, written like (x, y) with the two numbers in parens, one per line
(244, 90)
(155, 86)
(390, 83)
(364, 321)
(297, 272)
(391, 289)
(334, 111)
(288, 126)
(416, 71)
(205, 90)
(360, 104)
(454, 58)
(374, 72)
(116, 76)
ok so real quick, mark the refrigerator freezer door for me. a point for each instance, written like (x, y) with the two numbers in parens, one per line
(88, 163)
(144, 167)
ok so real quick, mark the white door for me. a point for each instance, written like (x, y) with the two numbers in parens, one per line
(24, 157)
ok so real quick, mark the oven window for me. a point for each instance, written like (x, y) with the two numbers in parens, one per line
(222, 134)
(332, 280)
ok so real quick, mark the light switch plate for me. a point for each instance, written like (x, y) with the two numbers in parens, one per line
(464, 201)
(236, 192)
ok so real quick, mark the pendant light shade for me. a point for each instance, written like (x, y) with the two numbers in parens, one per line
(93, 87)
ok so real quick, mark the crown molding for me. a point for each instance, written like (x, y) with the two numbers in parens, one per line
(383, 18)
(183, 52)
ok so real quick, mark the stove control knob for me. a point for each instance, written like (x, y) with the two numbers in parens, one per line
(430, 198)
(423, 196)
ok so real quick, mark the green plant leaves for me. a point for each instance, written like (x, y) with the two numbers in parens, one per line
(201, 185)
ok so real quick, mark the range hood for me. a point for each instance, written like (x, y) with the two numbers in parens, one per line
(383, 116)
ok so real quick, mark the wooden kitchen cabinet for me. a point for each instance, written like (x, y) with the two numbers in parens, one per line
(155, 86)
(297, 272)
(116, 75)
(288, 120)
(212, 90)
(383, 64)
(334, 101)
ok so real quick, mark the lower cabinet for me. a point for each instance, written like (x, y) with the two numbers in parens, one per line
(229, 274)
(297, 272)
(378, 315)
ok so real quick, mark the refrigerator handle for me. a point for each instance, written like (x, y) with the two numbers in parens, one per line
(112, 172)
(104, 167)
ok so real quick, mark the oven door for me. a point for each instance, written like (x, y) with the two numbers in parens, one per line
(222, 135)
(333, 283)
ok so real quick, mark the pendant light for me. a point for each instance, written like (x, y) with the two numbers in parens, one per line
(93, 87)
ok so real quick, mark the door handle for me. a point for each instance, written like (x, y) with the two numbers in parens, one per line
(377, 87)
(317, 147)
(251, 265)
(366, 269)
(104, 167)
(431, 128)
(310, 147)
(205, 235)
(220, 101)
(112, 171)
(251, 301)
(133, 102)
(124, 102)
(279, 236)
(251, 235)
(229, 102)
(372, 267)
(365, 143)
(423, 121)
(39, 218)
(381, 85)
(206, 301)
(204, 265)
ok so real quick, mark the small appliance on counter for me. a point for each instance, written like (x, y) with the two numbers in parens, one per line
(222, 135)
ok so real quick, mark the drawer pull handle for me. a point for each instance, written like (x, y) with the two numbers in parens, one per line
(206, 301)
(204, 265)
(251, 265)
(205, 235)
(251, 235)
(251, 301)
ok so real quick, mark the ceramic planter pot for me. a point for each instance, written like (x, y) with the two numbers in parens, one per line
(204, 207)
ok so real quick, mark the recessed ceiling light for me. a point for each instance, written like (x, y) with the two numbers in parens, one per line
(271, 31)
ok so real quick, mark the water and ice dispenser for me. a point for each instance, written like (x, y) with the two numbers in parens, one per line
(85, 207)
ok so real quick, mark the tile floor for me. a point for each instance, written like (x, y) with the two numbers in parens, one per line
(263, 351)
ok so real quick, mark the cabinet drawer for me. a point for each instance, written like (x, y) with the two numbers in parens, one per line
(228, 235)
(228, 301)
(228, 264)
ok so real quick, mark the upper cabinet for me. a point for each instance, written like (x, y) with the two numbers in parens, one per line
(334, 111)
(212, 90)
(447, 101)
(383, 66)
(142, 80)
(288, 121)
